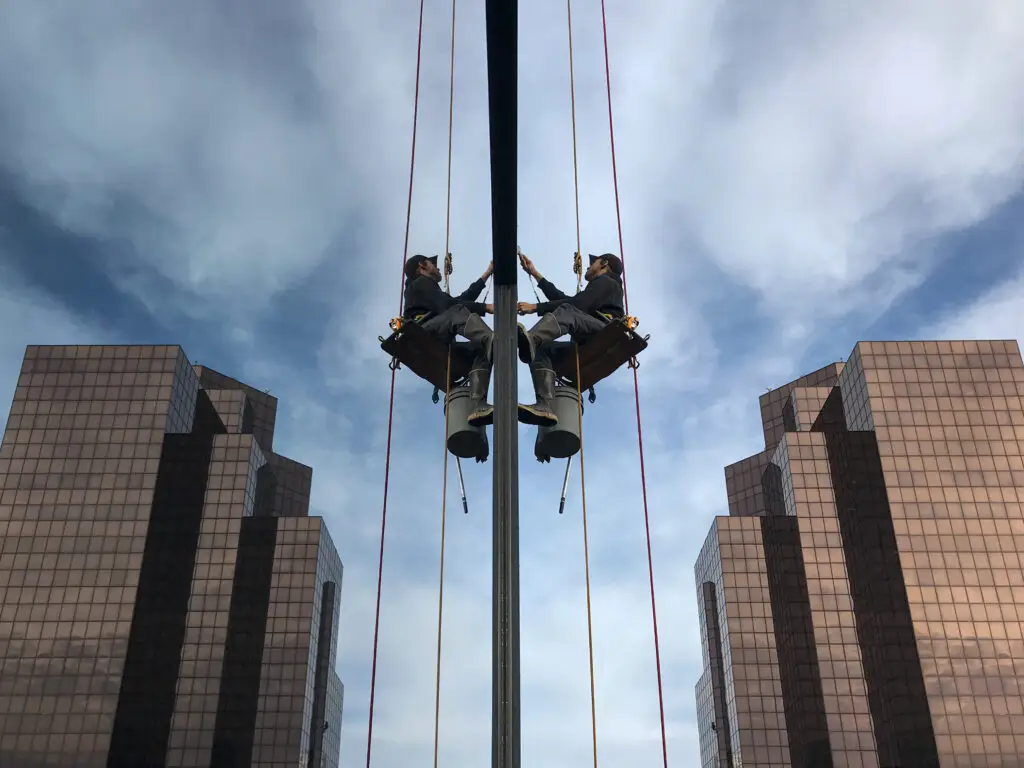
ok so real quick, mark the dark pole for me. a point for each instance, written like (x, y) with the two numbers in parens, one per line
(502, 71)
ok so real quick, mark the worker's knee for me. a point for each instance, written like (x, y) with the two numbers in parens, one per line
(568, 315)
(458, 312)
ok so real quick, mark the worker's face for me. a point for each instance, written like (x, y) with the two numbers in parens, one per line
(430, 269)
(596, 269)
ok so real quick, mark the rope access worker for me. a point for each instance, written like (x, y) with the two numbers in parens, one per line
(581, 316)
(445, 317)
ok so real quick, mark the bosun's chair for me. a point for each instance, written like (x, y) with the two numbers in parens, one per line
(427, 357)
(613, 346)
(600, 356)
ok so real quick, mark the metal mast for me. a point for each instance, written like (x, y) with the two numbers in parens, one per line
(502, 70)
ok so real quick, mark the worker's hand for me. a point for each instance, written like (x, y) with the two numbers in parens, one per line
(527, 309)
(489, 271)
(489, 309)
(527, 266)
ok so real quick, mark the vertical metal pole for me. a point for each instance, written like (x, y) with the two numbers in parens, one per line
(502, 71)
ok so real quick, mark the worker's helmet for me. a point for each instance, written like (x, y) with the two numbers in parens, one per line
(413, 263)
(613, 261)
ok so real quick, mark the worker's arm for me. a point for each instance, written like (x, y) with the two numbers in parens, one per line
(597, 294)
(470, 294)
(549, 289)
(431, 296)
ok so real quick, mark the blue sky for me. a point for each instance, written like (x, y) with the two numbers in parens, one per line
(234, 180)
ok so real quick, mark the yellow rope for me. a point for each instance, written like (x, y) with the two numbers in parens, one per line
(577, 267)
(586, 558)
(448, 201)
(578, 259)
(447, 390)
(440, 590)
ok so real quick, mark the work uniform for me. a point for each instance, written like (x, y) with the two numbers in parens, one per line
(581, 316)
(444, 317)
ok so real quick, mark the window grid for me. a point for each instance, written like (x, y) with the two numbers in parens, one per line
(891, 536)
(102, 452)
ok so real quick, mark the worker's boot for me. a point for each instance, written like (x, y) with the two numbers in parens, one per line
(476, 330)
(540, 413)
(545, 329)
(482, 414)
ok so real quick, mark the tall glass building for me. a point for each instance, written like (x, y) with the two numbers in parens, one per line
(862, 606)
(165, 597)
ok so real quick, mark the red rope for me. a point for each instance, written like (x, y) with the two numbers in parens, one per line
(636, 389)
(391, 400)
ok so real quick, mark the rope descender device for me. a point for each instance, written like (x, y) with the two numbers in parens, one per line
(396, 324)
(632, 322)
(447, 270)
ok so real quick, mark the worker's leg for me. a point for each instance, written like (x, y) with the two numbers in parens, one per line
(449, 324)
(479, 382)
(543, 375)
(460, 321)
(478, 332)
(562, 320)
(577, 323)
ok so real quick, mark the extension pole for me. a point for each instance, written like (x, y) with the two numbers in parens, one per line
(502, 71)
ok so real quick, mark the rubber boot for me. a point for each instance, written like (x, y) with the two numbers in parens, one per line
(476, 330)
(540, 414)
(482, 414)
(545, 329)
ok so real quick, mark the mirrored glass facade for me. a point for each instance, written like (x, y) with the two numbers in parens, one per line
(165, 599)
(862, 605)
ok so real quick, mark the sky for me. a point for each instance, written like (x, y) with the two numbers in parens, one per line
(232, 177)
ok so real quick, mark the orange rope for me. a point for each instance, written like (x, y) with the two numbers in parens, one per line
(636, 390)
(451, 114)
(440, 592)
(448, 383)
(391, 405)
(577, 268)
(586, 560)
(575, 164)
(412, 169)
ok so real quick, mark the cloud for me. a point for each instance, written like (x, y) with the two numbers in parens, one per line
(30, 318)
(827, 145)
(997, 314)
(167, 130)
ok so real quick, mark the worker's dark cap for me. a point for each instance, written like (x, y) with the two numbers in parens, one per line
(613, 261)
(413, 263)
